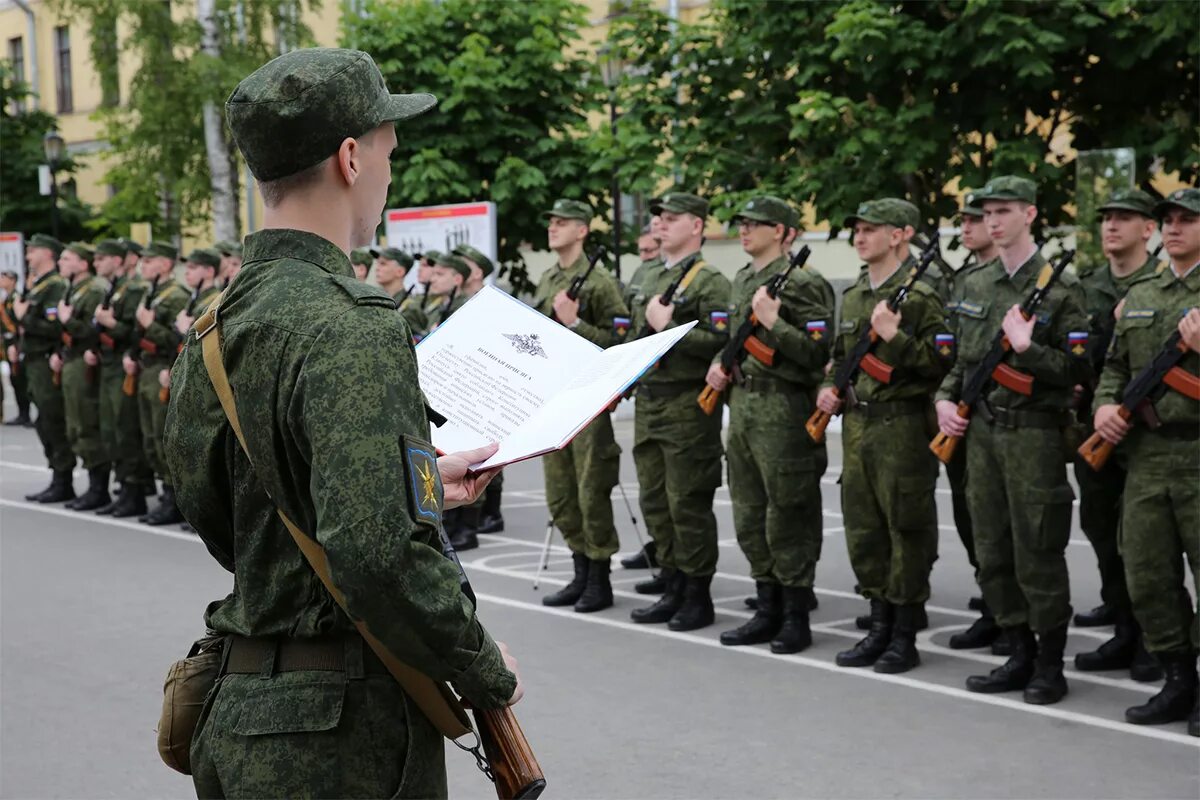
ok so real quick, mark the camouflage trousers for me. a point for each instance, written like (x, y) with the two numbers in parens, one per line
(1021, 509)
(956, 474)
(775, 474)
(888, 478)
(81, 404)
(1100, 517)
(51, 416)
(152, 416)
(1160, 526)
(677, 452)
(120, 429)
(579, 483)
(315, 734)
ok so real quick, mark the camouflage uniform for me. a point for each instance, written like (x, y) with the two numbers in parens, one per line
(413, 311)
(10, 334)
(80, 383)
(42, 335)
(580, 478)
(158, 344)
(325, 377)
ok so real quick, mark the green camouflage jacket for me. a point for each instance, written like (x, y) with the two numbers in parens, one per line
(84, 298)
(40, 329)
(603, 316)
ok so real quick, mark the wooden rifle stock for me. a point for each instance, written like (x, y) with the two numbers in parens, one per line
(943, 445)
(1096, 451)
(819, 421)
(514, 767)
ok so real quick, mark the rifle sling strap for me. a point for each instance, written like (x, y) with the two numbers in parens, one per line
(435, 699)
(691, 275)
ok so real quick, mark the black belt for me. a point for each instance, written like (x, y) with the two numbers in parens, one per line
(1022, 418)
(1183, 431)
(264, 656)
(890, 408)
(654, 391)
(765, 384)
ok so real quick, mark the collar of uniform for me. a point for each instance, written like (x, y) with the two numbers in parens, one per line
(47, 276)
(900, 273)
(579, 263)
(683, 260)
(1191, 278)
(1025, 273)
(274, 243)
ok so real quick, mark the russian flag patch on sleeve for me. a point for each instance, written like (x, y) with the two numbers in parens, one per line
(1077, 342)
(620, 325)
(944, 343)
(816, 329)
(719, 321)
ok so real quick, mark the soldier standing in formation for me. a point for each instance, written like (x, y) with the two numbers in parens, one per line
(231, 262)
(676, 446)
(774, 467)
(580, 477)
(361, 259)
(1160, 512)
(10, 331)
(888, 473)
(1020, 506)
(41, 335)
(1127, 223)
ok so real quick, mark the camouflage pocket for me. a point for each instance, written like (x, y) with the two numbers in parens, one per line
(914, 509)
(1052, 510)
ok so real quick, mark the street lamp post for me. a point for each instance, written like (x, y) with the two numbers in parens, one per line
(611, 69)
(53, 146)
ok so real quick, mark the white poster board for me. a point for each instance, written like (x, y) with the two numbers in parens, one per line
(442, 228)
(12, 256)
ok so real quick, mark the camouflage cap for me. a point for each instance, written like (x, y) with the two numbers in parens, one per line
(361, 256)
(228, 248)
(455, 263)
(886, 211)
(431, 256)
(1187, 198)
(485, 263)
(1009, 187)
(82, 250)
(680, 203)
(295, 110)
(8, 273)
(160, 250)
(1134, 200)
(205, 257)
(570, 209)
(130, 246)
(769, 209)
(396, 254)
(972, 205)
(110, 247)
(48, 242)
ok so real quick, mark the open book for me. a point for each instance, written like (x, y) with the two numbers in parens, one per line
(501, 372)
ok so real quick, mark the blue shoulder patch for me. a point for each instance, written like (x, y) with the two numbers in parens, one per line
(423, 480)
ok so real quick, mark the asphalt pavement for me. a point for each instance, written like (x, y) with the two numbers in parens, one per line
(93, 610)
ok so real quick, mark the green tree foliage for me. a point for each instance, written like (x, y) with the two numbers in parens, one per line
(514, 94)
(22, 208)
(157, 162)
(833, 102)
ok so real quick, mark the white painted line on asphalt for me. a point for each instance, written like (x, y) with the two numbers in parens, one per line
(1054, 712)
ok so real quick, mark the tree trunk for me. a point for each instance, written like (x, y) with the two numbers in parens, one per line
(226, 221)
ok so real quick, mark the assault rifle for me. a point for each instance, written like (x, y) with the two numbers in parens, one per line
(861, 357)
(106, 339)
(129, 385)
(992, 368)
(446, 308)
(1143, 391)
(576, 287)
(744, 342)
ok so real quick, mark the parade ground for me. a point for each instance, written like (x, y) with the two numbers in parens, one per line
(93, 611)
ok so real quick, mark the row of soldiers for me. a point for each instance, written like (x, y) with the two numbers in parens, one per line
(1012, 502)
(93, 337)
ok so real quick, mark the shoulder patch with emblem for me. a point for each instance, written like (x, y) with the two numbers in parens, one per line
(423, 480)
(621, 325)
(974, 310)
(719, 321)
(944, 343)
(1077, 342)
(816, 329)
(1138, 313)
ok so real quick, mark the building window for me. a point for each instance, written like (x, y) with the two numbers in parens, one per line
(16, 59)
(62, 62)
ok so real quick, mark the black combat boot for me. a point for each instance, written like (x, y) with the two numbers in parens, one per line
(975, 604)
(794, 636)
(569, 595)
(863, 621)
(597, 593)
(656, 585)
(879, 634)
(131, 503)
(1116, 653)
(697, 609)
(62, 487)
(813, 602)
(982, 632)
(36, 497)
(97, 494)
(1194, 719)
(1048, 684)
(1145, 667)
(668, 604)
(1178, 698)
(466, 526)
(1098, 617)
(491, 521)
(1013, 674)
(765, 623)
(642, 559)
(166, 513)
(901, 654)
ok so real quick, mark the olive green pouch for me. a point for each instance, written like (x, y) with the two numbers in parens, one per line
(188, 684)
